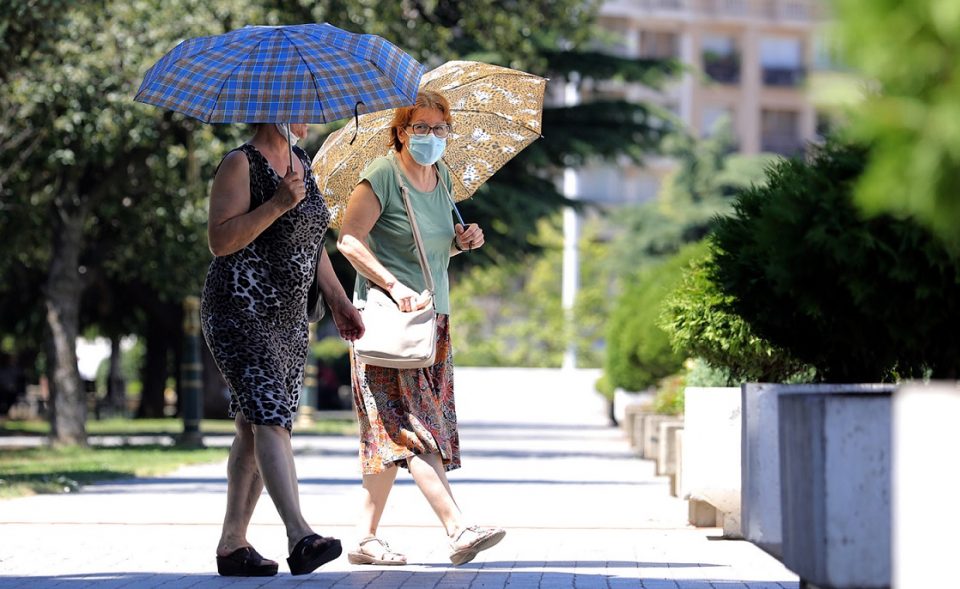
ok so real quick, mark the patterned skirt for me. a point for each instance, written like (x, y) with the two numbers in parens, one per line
(405, 412)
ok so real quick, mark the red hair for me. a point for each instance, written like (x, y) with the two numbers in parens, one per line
(402, 116)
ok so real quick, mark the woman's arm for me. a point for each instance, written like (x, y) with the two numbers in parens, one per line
(361, 215)
(345, 315)
(333, 293)
(231, 225)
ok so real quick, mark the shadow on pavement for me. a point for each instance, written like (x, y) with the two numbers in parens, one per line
(206, 481)
(467, 424)
(465, 576)
(519, 453)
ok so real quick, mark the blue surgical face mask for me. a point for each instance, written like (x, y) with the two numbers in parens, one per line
(426, 149)
(282, 129)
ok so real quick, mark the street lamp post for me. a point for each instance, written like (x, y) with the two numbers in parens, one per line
(571, 235)
(191, 374)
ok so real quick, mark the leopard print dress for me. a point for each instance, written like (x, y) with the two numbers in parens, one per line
(253, 308)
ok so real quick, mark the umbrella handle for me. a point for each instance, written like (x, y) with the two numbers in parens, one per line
(446, 190)
(289, 145)
(456, 211)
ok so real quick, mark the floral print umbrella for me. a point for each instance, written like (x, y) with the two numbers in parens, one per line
(496, 113)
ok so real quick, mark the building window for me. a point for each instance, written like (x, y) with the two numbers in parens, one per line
(782, 61)
(780, 131)
(659, 45)
(714, 118)
(721, 61)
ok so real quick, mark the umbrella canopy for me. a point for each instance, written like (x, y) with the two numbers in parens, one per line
(496, 113)
(311, 73)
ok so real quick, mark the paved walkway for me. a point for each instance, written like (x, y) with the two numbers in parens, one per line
(539, 459)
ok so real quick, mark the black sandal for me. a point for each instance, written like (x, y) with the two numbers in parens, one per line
(309, 554)
(245, 562)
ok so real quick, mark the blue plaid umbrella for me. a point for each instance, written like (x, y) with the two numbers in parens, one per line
(312, 73)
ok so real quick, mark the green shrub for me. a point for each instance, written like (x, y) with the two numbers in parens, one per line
(604, 387)
(669, 397)
(639, 353)
(859, 300)
(698, 319)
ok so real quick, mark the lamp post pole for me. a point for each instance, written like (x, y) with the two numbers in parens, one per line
(571, 235)
(191, 378)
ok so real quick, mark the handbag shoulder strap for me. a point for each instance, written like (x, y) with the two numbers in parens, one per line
(421, 254)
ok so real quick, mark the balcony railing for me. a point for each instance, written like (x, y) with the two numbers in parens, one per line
(783, 76)
(787, 145)
(725, 70)
(779, 10)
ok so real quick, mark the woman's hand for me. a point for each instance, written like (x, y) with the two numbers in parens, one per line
(348, 321)
(407, 299)
(469, 237)
(290, 191)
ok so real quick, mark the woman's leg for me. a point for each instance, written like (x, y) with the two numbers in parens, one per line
(244, 487)
(274, 454)
(465, 541)
(376, 489)
(431, 478)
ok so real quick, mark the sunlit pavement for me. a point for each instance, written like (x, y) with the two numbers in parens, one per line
(539, 459)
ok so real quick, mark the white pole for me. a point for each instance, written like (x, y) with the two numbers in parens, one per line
(571, 235)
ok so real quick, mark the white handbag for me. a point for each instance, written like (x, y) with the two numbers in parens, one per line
(394, 338)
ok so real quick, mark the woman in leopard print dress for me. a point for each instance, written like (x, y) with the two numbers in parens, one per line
(265, 231)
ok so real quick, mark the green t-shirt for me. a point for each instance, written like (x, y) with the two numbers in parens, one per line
(391, 238)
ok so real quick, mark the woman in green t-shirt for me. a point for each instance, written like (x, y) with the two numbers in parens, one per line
(407, 416)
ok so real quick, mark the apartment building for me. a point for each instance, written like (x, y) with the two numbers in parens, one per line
(749, 61)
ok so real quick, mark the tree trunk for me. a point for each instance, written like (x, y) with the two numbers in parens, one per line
(116, 387)
(64, 286)
(156, 368)
(164, 329)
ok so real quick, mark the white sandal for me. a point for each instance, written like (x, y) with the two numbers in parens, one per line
(485, 538)
(387, 557)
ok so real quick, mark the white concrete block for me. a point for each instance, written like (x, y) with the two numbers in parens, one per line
(622, 398)
(651, 434)
(711, 450)
(667, 448)
(835, 488)
(760, 468)
(926, 484)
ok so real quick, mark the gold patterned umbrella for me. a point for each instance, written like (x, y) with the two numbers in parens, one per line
(496, 113)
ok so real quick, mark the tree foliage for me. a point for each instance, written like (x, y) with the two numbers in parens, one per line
(639, 353)
(700, 324)
(511, 314)
(702, 186)
(859, 300)
(912, 120)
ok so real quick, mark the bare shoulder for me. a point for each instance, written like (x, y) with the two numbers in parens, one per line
(233, 162)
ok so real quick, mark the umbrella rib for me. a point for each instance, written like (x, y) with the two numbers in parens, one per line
(306, 64)
(376, 66)
(224, 83)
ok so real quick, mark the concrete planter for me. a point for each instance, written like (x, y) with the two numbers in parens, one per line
(760, 467)
(623, 399)
(926, 480)
(711, 456)
(651, 434)
(676, 478)
(835, 487)
(632, 414)
(667, 448)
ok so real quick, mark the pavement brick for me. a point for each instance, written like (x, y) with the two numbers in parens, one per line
(539, 459)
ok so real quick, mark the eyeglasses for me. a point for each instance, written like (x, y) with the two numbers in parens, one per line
(439, 131)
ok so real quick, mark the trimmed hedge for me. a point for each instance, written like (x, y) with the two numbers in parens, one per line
(639, 353)
(861, 300)
(698, 319)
